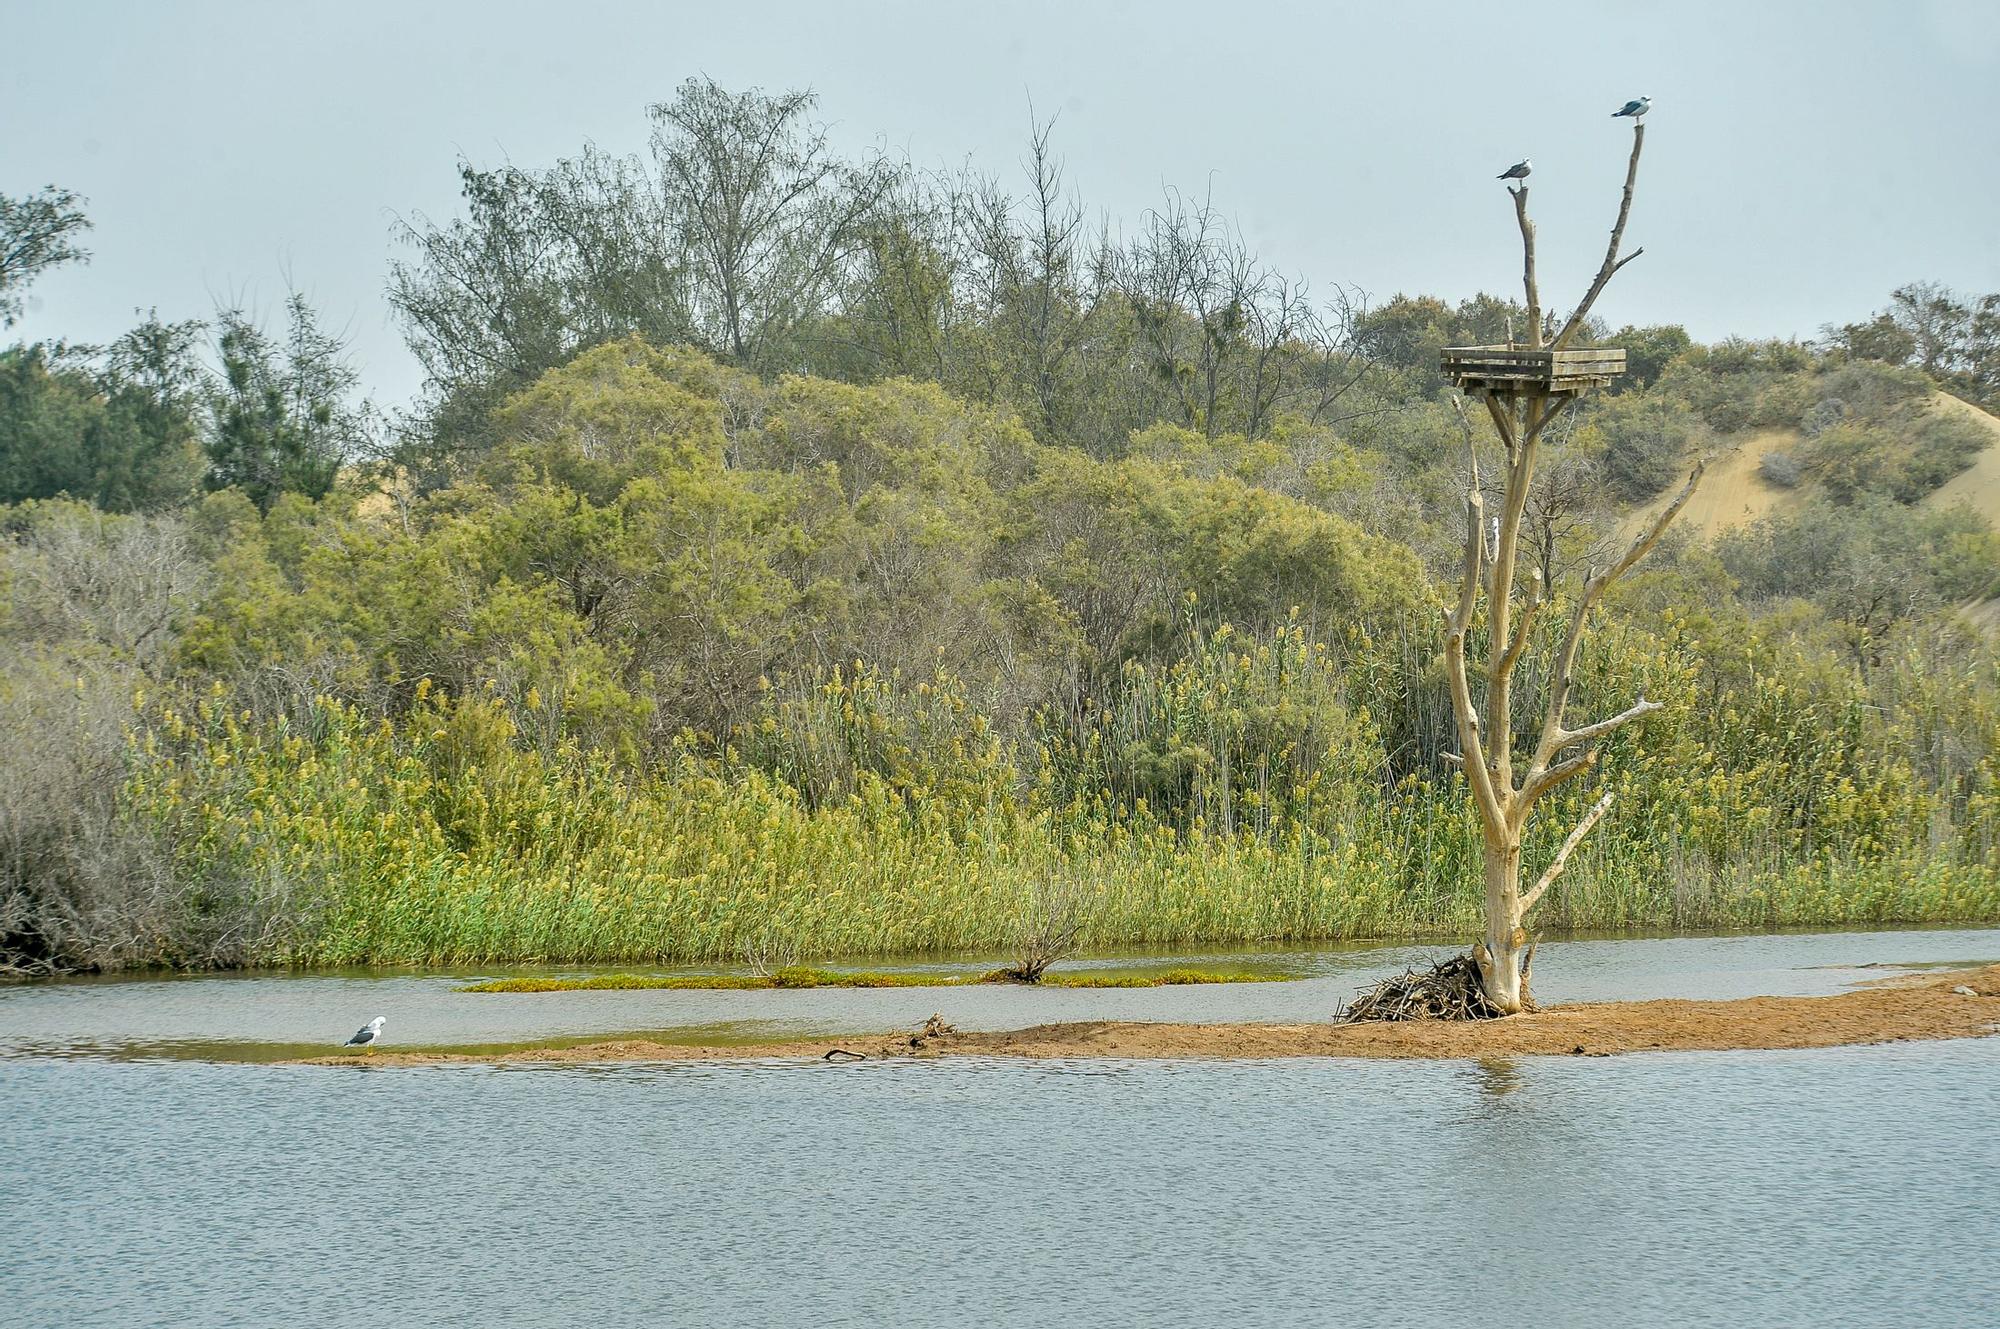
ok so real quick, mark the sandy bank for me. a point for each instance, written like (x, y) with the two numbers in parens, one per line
(1915, 1008)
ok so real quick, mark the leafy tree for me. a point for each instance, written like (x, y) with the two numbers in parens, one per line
(769, 218)
(1738, 384)
(1954, 339)
(46, 416)
(740, 231)
(117, 430)
(37, 233)
(1408, 332)
(1937, 322)
(152, 378)
(280, 415)
(739, 226)
(1648, 352)
(543, 265)
(1881, 338)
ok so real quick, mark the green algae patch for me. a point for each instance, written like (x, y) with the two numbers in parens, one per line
(1165, 978)
(799, 977)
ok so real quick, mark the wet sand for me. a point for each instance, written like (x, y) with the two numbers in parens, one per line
(1907, 1008)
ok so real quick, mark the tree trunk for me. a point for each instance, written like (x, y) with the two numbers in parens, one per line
(1500, 955)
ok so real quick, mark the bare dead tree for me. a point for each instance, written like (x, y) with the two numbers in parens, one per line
(771, 218)
(1228, 342)
(1050, 925)
(1190, 280)
(1506, 796)
(1056, 220)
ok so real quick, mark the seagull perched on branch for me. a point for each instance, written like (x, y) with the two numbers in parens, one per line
(1518, 171)
(366, 1034)
(1634, 108)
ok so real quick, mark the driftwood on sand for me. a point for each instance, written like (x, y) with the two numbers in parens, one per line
(1445, 990)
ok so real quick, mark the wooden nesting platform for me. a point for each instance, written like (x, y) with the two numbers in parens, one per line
(1480, 370)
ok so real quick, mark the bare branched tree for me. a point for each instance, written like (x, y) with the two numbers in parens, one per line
(90, 580)
(1032, 278)
(770, 218)
(1231, 342)
(1051, 923)
(1190, 281)
(1505, 795)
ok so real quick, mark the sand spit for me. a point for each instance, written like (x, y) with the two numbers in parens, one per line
(1952, 1004)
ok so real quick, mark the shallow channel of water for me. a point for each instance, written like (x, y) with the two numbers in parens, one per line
(266, 1017)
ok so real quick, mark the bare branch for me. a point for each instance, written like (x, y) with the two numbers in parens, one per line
(1543, 420)
(1593, 591)
(1644, 544)
(1475, 548)
(1460, 624)
(1542, 781)
(1638, 710)
(1502, 421)
(1500, 664)
(1528, 282)
(1611, 262)
(1465, 427)
(1537, 597)
(1555, 868)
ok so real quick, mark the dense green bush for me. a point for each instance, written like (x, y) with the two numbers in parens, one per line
(1644, 443)
(1866, 565)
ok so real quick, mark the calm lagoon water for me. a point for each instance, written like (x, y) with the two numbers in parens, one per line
(1843, 1187)
(273, 1017)
(1847, 1186)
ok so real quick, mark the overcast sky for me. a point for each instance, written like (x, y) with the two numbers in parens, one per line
(1802, 158)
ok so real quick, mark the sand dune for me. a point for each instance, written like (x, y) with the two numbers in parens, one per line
(1734, 494)
(1979, 484)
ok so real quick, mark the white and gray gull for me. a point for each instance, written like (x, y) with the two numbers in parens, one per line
(1635, 108)
(366, 1034)
(1518, 171)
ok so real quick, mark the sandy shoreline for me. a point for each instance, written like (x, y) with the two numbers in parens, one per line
(1907, 1009)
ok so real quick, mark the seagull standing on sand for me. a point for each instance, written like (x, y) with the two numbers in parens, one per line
(1634, 108)
(366, 1034)
(1518, 171)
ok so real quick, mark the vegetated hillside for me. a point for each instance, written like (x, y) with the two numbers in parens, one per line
(1979, 484)
(689, 664)
(1738, 491)
(1734, 492)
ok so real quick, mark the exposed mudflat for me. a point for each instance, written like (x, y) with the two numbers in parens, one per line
(1911, 1008)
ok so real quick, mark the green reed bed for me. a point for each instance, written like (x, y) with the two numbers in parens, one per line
(443, 840)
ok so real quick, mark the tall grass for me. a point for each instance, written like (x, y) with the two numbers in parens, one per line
(1238, 796)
